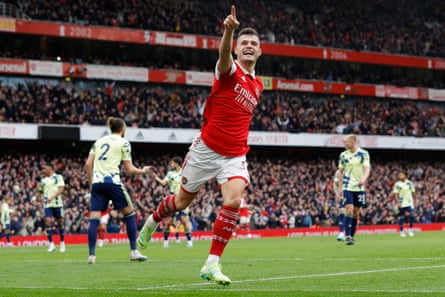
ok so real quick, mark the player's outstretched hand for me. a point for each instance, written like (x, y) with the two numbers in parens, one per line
(231, 22)
(147, 169)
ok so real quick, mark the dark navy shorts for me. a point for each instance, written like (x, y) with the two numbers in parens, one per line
(56, 212)
(406, 211)
(102, 193)
(358, 199)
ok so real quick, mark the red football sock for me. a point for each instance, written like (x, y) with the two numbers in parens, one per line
(223, 228)
(166, 208)
(101, 232)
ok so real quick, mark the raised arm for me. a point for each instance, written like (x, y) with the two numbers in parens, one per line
(225, 47)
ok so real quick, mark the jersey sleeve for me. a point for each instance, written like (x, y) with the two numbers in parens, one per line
(367, 159)
(126, 151)
(218, 74)
(60, 181)
(341, 161)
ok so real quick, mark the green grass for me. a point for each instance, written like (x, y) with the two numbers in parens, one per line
(378, 265)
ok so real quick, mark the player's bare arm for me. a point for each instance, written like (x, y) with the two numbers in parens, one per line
(159, 180)
(89, 169)
(132, 170)
(340, 181)
(366, 175)
(231, 23)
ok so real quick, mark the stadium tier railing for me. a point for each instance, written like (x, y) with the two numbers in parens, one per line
(18, 131)
(157, 38)
(39, 68)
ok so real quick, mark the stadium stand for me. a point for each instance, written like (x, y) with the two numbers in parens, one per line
(285, 192)
(402, 27)
(181, 107)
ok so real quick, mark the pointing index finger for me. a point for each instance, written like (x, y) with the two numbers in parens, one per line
(233, 11)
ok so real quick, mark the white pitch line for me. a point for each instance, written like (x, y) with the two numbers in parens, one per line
(207, 284)
(294, 277)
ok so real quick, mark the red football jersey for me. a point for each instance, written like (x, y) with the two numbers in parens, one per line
(229, 110)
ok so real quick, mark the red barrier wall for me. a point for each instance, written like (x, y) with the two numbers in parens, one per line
(296, 232)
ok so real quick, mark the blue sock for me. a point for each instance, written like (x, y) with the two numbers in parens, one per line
(130, 221)
(62, 234)
(348, 225)
(188, 235)
(354, 226)
(49, 232)
(411, 221)
(166, 235)
(177, 235)
(8, 237)
(401, 223)
(341, 222)
(92, 236)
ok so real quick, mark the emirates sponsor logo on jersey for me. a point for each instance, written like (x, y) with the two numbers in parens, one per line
(245, 98)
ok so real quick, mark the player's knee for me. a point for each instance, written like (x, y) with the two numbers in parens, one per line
(95, 215)
(127, 210)
(129, 214)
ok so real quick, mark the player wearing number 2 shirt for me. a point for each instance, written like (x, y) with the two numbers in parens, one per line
(102, 167)
(220, 150)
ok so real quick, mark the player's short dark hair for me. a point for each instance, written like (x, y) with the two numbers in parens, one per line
(177, 160)
(115, 124)
(248, 31)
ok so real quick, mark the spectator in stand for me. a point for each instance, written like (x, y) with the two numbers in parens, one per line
(315, 114)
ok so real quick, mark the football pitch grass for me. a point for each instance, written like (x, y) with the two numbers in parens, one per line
(377, 265)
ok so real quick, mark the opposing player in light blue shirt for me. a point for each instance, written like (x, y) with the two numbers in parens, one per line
(405, 194)
(103, 171)
(354, 169)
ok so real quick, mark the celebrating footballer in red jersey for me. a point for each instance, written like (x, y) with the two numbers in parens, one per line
(219, 151)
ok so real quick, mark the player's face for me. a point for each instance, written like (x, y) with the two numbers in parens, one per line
(402, 176)
(348, 143)
(46, 170)
(248, 48)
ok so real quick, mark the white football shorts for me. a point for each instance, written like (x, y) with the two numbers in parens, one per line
(202, 164)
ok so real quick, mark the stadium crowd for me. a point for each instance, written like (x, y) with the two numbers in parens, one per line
(403, 27)
(181, 107)
(284, 192)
